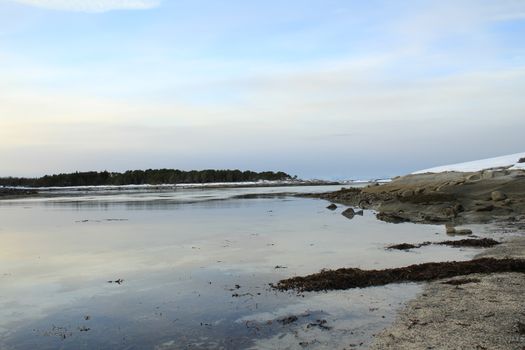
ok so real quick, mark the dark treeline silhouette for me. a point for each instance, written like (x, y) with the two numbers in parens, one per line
(141, 177)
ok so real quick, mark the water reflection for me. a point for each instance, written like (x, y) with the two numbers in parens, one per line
(195, 275)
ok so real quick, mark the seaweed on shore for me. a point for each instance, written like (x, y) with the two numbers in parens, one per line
(471, 242)
(347, 278)
(406, 246)
(468, 242)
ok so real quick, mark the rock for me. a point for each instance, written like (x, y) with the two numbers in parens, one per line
(348, 213)
(419, 190)
(449, 212)
(394, 218)
(463, 232)
(451, 230)
(458, 208)
(407, 193)
(474, 177)
(364, 204)
(521, 160)
(433, 218)
(332, 207)
(488, 207)
(359, 212)
(488, 174)
(498, 196)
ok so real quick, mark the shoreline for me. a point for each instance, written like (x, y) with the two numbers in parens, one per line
(15, 189)
(474, 311)
(487, 312)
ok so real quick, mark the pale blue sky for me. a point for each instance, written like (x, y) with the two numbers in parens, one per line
(331, 89)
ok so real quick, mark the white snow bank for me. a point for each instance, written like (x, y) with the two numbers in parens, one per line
(510, 160)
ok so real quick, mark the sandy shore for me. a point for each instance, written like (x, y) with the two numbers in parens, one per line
(486, 313)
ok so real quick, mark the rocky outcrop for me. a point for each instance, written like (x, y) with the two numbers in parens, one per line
(450, 197)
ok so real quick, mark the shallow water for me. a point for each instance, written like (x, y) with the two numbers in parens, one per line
(195, 267)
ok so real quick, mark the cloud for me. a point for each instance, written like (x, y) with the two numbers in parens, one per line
(92, 6)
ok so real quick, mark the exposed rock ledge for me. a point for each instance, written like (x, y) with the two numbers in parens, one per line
(450, 197)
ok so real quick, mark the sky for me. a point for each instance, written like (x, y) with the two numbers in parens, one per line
(332, 89)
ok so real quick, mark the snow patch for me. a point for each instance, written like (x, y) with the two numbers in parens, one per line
(509, 161)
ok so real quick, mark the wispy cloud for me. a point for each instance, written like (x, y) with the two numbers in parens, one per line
(313, 94)
(92, 5)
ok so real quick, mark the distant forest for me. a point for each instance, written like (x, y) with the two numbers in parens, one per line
(141, 177)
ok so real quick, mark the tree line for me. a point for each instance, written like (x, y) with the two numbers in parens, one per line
(142, 177)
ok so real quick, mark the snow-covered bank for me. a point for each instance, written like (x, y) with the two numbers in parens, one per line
(510, 161)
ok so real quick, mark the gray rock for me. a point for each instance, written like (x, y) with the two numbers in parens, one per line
(407, 193)
(348, 213)
(463, 231)
(332, 207)
(474, 177)
(449, 212)
(458, 208)
(498, 196)
(488, 207)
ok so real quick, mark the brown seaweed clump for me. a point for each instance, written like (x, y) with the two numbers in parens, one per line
(468, 242)
(347, 278)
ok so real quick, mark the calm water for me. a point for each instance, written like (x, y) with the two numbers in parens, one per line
(195, 266)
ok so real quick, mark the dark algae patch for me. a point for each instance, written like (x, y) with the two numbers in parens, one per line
(406, 246)
(347, 278)
(468, 242)
(471, 242)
